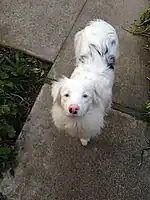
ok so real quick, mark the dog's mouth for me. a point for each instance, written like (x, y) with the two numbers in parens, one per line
(76, 115)
(73, 115)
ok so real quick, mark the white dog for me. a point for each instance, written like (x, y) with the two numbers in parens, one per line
(81, 101)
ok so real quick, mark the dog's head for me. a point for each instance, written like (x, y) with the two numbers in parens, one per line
(74, 96)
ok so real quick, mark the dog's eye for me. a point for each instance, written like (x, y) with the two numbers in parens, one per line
(66, 95)
(85, 95)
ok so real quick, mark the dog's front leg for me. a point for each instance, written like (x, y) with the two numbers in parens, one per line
(84, 142)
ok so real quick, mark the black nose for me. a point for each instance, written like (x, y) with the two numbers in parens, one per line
(72, 111)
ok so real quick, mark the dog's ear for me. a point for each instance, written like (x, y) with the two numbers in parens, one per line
(97, 94)
(101, 93)
(56, 89)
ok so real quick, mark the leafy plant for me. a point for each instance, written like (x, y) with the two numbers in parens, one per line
(147, 106)
(142, 28)
(21, 77)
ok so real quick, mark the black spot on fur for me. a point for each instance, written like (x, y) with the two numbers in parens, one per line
(94, 46)
(106, 50)
(82, 58)
(111, 62)
(113, 42)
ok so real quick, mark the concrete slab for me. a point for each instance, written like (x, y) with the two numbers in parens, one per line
(40, 27)
(131, 86)
(55, 166)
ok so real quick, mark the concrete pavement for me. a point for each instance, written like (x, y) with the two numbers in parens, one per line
(53, 165)
(40, 27)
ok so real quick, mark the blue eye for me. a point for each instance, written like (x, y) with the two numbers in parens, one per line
(66, 95)
(85, 95)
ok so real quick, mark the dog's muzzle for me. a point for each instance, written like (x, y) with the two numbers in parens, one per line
(73, 109)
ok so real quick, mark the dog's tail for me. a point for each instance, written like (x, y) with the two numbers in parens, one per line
(97, 36)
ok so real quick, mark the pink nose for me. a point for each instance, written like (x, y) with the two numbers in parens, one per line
(73, 108)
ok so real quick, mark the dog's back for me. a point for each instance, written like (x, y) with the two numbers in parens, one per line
(100, 35)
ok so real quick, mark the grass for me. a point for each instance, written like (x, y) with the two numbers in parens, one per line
(21, 77)
(142, 28)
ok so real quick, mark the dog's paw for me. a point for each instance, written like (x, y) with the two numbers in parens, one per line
(84, 142)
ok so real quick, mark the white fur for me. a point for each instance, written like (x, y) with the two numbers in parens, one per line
(96, 47)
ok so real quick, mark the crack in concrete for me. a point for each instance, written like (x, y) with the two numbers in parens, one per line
(70, 30)
(136, 113)
(28, 52)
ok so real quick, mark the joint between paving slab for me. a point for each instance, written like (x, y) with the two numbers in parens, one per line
(28, 52)
(38, 56)
(70, 30)
(136, 113)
